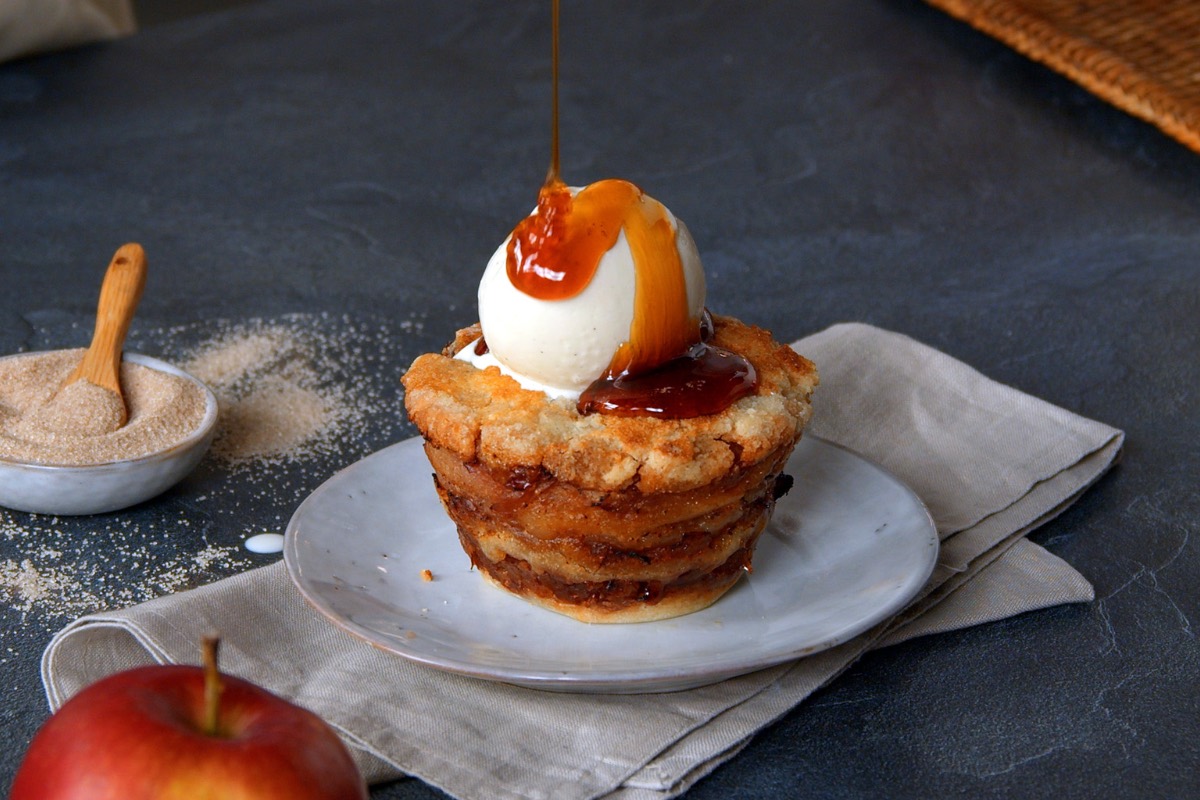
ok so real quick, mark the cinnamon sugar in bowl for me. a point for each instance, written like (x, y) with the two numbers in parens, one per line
(45, 468)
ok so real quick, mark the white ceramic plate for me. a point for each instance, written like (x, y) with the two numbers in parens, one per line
(848, 547)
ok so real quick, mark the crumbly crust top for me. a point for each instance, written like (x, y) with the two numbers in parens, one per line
(484, 416)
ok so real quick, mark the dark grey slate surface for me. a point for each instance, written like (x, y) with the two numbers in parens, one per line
(870, 160)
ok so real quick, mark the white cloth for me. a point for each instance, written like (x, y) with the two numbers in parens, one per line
(35, 26)
(990, 462)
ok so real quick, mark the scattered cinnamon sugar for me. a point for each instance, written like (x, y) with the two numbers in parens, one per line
(228, 359)
(275, 400)
(75, 427)
(51, 582)
(272, 419)
(28, 586)
(426, 575)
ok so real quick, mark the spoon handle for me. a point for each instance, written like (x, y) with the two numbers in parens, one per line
(119, 296)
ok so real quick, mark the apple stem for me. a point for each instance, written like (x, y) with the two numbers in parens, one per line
(212, 685)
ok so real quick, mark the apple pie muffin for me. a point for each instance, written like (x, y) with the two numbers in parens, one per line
(609, 517)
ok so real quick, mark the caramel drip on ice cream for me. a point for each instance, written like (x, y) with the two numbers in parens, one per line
(554, 253)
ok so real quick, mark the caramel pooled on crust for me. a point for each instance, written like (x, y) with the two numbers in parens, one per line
(609, 518)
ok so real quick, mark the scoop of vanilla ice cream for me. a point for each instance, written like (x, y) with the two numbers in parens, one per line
(561, 346)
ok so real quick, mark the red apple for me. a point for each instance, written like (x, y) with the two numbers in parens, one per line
(185, 732)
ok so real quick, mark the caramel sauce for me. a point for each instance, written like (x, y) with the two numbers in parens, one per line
(705, 380)
(664, 368)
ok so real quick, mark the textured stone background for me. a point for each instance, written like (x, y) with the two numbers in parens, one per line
(869, 160)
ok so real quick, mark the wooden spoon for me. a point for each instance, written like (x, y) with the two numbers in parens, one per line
(119, 296)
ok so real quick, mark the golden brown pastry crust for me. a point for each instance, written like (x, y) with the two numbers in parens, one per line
(484, 416)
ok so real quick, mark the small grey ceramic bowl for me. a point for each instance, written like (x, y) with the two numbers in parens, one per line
(98, 488)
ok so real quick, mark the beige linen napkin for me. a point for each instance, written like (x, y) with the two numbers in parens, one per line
(35, 26)
(990, 462)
